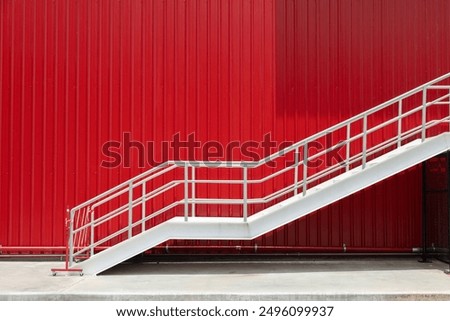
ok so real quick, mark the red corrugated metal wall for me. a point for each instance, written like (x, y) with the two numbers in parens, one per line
(334, 60)
(76, 74)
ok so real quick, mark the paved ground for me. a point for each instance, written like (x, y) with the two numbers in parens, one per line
(310, 279)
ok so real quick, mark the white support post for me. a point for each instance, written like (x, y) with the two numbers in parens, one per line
(70, 240)
(399, 124)
(92, 232)
(305, 168)
(347, 149)
(143, 207)
(130, 210)
(193, 190)
(186, 191)
(424, 113)
(364, 142)
(244, 192)
(296, 171)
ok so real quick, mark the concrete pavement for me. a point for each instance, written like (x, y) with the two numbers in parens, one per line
(311, 279)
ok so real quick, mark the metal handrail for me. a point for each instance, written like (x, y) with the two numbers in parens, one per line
(328, 171)
(83, 220)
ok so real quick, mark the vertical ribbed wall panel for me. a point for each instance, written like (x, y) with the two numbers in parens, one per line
(77, 74)
(335, 59)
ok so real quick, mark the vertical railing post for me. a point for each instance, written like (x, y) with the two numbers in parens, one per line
(186, 191)
(296, 171)
(130, 210)
(424, 113)
(193, 190)
(347, 149)
(448, 119)
(399, 123)
(424, 213)
(364, 142)
(448, 207)
(70, 240)
(92, 231)
(305, 168)
(143, 214)
(244, 192)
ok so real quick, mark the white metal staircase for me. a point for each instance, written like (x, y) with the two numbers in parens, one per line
(144, 212)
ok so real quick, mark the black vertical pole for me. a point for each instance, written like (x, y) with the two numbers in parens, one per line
(424, 213)
(448, 209)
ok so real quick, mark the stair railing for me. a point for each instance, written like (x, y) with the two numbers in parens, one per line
(356, 141)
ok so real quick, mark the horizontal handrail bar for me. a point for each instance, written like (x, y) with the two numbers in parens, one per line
(125, 229)
(378, 127)
(361, 115)
(377, 148)
(439, 87)
(163, 171)
(121, 185)
(116, 212)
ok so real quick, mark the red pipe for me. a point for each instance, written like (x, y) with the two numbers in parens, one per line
(284, 249)
(31, 248)
(38, 249)
(246, 249)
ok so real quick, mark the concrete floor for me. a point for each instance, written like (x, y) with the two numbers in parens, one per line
(309, 279)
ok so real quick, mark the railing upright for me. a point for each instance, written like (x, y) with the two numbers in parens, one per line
(424, 112)
(244, 192)
(193, 190)
(130, 210)
(305, 168)
(347, 148)
(364, 142)
(186, 191)
(92, 230)
(71, 236)
(144, 207)
(399, 123)
(296, 163)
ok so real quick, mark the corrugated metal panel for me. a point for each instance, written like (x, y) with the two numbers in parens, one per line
(336, 59)
(76, 74)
